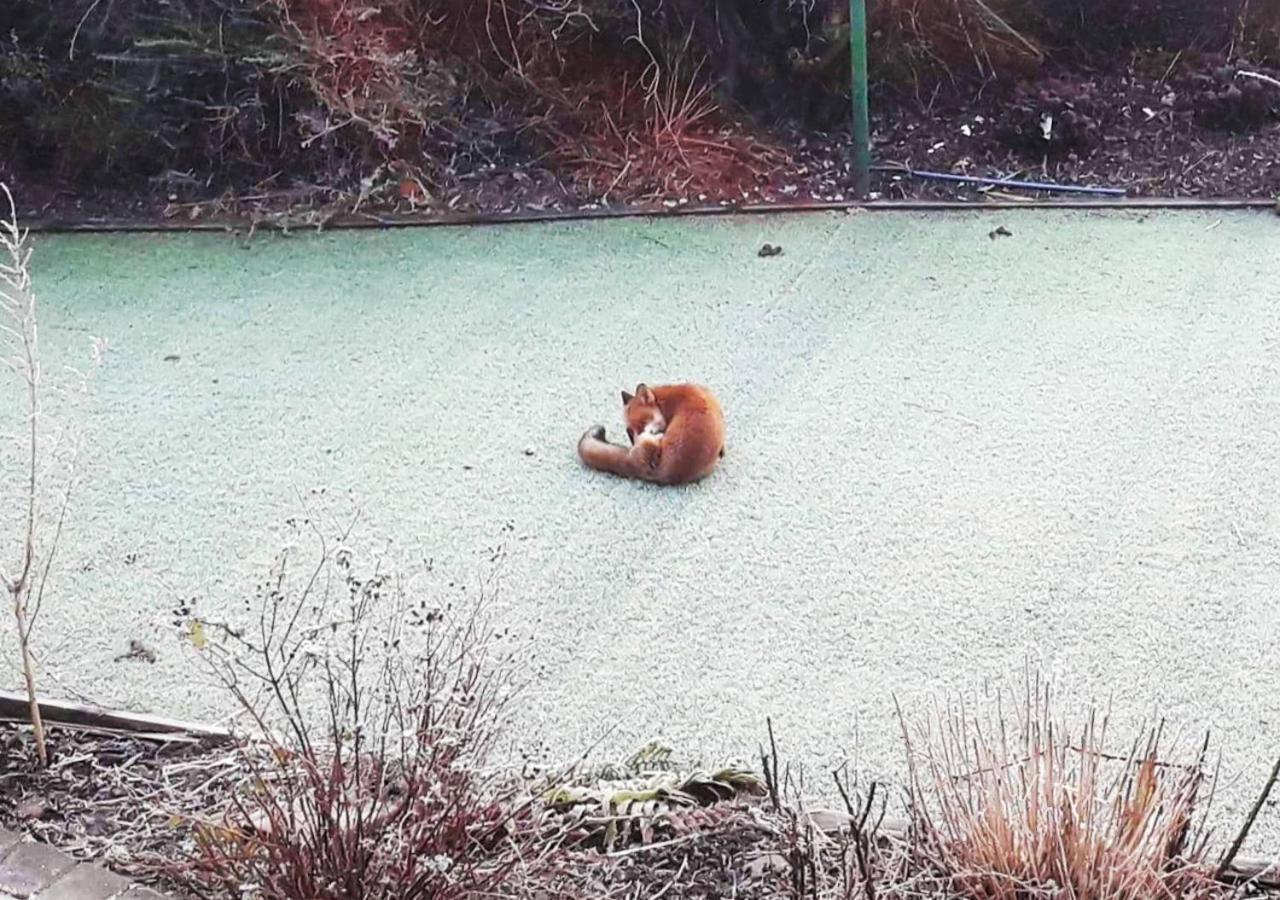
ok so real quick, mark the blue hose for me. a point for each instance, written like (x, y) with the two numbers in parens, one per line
(1013, 183)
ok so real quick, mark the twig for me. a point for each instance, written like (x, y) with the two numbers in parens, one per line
(1169, 71)
(75, 35)
(770, 764)
(684, 863)
(1011, 183)
(1230, 856)
(660, 845)
(963, 420)
(1258, 76)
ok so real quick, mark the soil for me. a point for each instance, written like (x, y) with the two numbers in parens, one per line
(735, 859)
(1186, 127)
(120, 800)
(1202, 130)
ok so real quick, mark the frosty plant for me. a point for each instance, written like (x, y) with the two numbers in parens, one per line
(39, 533)
(375, 711)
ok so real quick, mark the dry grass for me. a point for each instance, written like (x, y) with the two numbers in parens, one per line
(1033, 808)
(619, 118)
(915, 40)
(1008, 804)
(661, 140)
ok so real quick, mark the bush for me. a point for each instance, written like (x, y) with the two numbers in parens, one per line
(133, 90)
(370, 757)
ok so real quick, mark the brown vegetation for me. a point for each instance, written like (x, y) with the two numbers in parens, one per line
(404, 101)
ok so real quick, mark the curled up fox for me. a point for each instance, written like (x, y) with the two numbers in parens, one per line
(676, 433)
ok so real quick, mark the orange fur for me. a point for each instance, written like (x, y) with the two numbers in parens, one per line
(676, 431)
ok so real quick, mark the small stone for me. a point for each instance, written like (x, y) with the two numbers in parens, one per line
(528, 451)
(31, 867)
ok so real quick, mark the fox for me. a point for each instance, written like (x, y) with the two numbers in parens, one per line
(676, 433)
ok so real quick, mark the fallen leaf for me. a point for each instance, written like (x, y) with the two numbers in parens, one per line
(31, 808)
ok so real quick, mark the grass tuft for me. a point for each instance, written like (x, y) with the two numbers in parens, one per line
(1032, 807)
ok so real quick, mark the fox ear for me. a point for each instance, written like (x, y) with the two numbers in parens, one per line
(626, 398)
(645, 395)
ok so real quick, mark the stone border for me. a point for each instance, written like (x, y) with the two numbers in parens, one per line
(30, 869)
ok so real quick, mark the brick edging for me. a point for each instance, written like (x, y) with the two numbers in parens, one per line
(30, 869)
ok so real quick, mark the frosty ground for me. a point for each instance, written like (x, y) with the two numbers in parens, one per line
(949, 454)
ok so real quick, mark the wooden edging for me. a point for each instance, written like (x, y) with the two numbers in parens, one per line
(364, 221)
(1258, 871)
(14, 707)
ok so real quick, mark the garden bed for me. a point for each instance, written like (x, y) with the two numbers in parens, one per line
(136, 803)
(203, 109)
(117, 799)
(1143, 134)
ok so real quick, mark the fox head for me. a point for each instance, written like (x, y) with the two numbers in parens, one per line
(643, 416)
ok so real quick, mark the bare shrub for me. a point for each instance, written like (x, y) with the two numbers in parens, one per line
(112, 93)
(375, 716)
(823, 854)
(47, 465)
(364, 65)
(26, 585)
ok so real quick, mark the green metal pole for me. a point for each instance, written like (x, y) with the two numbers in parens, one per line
(861, 114)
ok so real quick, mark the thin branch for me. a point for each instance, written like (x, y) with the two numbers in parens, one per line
(1230, 856)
